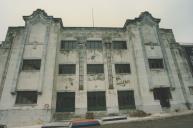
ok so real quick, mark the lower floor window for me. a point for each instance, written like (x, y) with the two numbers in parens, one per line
(26, 97)
(96, 101)
(126, 99)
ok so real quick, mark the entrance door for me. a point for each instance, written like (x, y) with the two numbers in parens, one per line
(164, 95)
(65, 102)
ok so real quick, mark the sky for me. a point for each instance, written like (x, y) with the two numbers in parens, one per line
(174, 14)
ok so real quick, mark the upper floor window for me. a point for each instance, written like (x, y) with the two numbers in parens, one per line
(26, 97)
(31, 64)
(68, 44)
(67, 68)
(119, 45)
(122, 68)
(156, 63)
(95, 68)
(94, 44)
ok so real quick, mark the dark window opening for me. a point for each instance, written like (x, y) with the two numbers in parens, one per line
(163, 95)
(94, 44)
(67, 45)
(159, 93)
(96, 101)
(65, 102)
(95, 68)
(67, 68)
(126, 99)
(119, 45)
(122, 68)
(31, 64)
(156, 63)
(26, 97)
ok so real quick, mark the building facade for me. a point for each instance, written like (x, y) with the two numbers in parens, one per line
(48, 70)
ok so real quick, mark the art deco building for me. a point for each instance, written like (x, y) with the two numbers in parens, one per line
(48, 71)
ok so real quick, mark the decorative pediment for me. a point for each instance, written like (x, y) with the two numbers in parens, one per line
(38, 16)
(145, 18)
(41, 16)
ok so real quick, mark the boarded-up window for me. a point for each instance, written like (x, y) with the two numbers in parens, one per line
(119, 45)
(126, 99)
(94, 44)
(31, 64)
(67, 68)
(122, 68)
(26, 97)
(68, 44)
(95, 68)
(156, 63)
(96, 101)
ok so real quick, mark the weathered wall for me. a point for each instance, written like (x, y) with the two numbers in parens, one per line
(40, 39)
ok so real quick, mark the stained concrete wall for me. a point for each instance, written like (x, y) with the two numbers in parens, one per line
(41, 38)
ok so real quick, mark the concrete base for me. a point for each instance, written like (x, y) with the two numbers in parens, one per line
(24, 117)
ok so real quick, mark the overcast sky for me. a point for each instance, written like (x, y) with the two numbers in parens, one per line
(174, 14)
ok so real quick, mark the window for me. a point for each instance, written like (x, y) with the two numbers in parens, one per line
(67, 68)
(31, 64)
(191, 90)
(67, 45)
(122, 68)
(119, 45)
(26, 97)
(126, 99)
(95, 68)
(96, 101)
(156, 63)
(94, 44)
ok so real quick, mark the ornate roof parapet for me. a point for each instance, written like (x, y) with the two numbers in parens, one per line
(144, 16)
(40, 15)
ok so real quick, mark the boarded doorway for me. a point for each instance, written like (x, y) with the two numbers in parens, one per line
(65, 102)
(164, 95)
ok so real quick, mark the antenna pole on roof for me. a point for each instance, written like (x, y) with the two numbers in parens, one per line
(92, 18)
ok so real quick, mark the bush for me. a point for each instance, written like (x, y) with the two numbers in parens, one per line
(89, 115)
(138, 113)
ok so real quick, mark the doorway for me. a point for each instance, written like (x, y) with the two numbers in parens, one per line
(65, 102)
(163, 95)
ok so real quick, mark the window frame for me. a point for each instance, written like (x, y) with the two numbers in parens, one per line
(119, 45)
(68, 44)
(21, 96)
(124, 69)
(156, 65)
(31, 66)
(94, 44)
(93, 69)
(62, 69)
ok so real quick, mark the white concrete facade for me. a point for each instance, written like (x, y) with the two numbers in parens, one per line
(40, 38)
